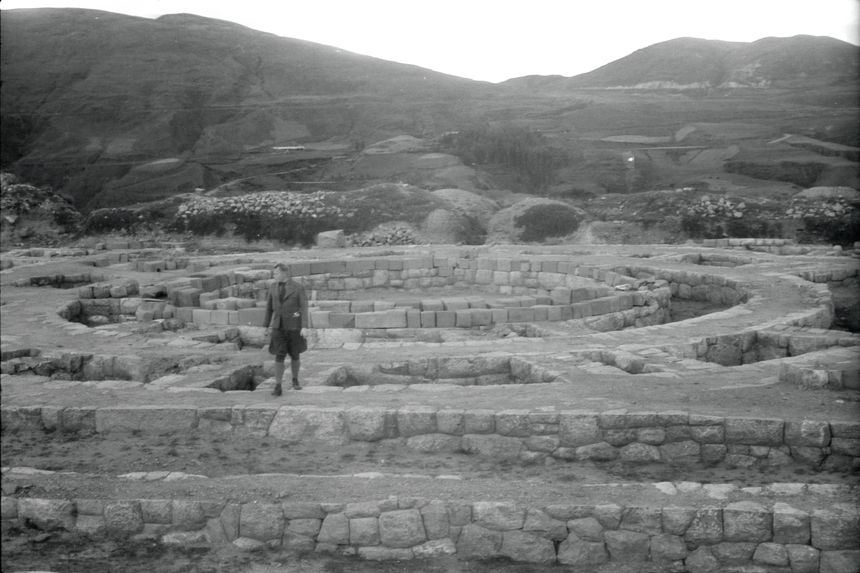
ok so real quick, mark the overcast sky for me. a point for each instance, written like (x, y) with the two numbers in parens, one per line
(494, 40)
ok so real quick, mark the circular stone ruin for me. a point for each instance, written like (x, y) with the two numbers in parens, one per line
(375, 381)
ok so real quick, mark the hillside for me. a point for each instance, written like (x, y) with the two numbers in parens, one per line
(87, 87)
(112, 110)
(693, 63)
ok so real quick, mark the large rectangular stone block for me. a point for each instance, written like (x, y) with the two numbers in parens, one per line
(202, 317)
(515, 423)
(446, 319)
(455, 303)
(499, 315)
(319, 319)
(464, 318)
(845, 429)
(334, 305)
(807, 433)
(401, 528)
(432, 304)
(188, 297)
(394, 318)
(450, 421)
(295, 424)
(560, 295)
(334, 267)
(836, 528)
(601, 306)
(706, 527)
(498, 516)
(416, 420)
(578, 428)
(24, 418)
(341, 320)
(479, 421)
(481, 316)
(483, 277)
(754, 431)
(145, 419)
(790, 525)
(580, 310)
(370, 424)
(501, 278)
(261, 521)
(428, 319)
(541, 312)
(360, 266)
(521, 314)
(746, 521)
(219, 317)
(251, 316)
(358, 306)
(413, 318)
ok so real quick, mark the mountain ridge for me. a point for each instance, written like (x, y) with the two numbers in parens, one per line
(88, 96)
(695, 63)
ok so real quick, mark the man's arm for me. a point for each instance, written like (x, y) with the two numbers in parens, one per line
(269, 308)
(303, 307)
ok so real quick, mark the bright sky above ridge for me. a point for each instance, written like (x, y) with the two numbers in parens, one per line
(495, 40)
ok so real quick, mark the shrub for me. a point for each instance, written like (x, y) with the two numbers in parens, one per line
(22, 198)
(542, 221)
(834, 221)
(108, 220)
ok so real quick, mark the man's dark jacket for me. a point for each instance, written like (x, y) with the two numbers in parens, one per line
(287, 306)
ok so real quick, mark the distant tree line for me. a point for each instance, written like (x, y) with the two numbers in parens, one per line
(526, 152)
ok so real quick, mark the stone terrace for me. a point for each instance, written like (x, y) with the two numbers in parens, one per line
(555, 355)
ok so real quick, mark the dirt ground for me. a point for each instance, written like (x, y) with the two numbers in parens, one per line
(220, 456)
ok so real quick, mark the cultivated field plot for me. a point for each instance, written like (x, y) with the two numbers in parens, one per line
(641, 408)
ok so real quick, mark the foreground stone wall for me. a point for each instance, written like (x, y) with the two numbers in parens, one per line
(695, 539)
(525, 436)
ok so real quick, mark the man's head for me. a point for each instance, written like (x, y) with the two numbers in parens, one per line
(282, 271)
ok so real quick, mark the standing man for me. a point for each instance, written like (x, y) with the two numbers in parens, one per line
(286, 321)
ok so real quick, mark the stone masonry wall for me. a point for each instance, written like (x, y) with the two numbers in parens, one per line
(695, 539)
(544, 289)
(525, 436)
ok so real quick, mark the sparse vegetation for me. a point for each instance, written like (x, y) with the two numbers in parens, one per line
(282, 216)
(715, 218)
(529, 154)
(110, 220)
(836, 221)
(17, 198)
(291, 217)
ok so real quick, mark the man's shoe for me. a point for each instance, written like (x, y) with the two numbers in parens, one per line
(277, 390)
(296, 385)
